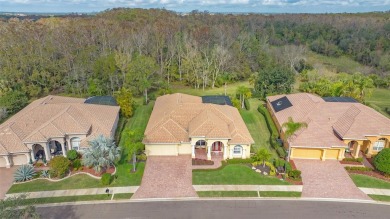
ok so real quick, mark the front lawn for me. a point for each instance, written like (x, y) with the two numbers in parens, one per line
(125, 178)
(233, 174)
(369, 182)
(257, 126)
(227, 194)
(382, 198)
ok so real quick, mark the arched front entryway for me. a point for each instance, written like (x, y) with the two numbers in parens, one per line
(39, 152)
(55, 148)
(217, 146)
(200, 144)
(353, 149)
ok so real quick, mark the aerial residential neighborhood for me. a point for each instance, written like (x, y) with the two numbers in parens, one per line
(194, 109)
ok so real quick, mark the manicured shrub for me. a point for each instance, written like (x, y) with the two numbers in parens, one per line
(141, 157)
(72, 155)
(382, 161)
(24, 173)
(59, 166)
(358, 168)
(247, 104)
(76, 164)
(281, 152)
(106, 179)
(272, 169)
(197, 161)
(270, 123)
(350, 159)
(295, 174)
(239, 161)
(279, 163)
(287, 167)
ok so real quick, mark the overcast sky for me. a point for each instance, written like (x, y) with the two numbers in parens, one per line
(259, 6)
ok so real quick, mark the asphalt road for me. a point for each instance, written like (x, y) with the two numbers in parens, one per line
(200, 209)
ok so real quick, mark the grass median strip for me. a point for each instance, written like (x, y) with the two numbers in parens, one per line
(228, 194)
(34, 201)
(383, 198)
(123, 196)
(280, 194)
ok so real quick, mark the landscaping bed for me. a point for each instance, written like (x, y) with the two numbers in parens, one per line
(197, 161)
(91, 171)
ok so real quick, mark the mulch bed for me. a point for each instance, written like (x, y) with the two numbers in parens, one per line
(351, 162)
(92, 171)
(370, 173)
(294, 182)
(263, 168)
(197, 161)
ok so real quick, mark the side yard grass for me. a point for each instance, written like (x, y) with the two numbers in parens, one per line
(233, 174)
(257, 126)
(369, 182)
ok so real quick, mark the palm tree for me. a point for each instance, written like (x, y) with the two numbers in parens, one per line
(102, 153)
(263, 155)
(292, 127)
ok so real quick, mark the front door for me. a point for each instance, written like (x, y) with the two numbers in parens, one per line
(217, 146)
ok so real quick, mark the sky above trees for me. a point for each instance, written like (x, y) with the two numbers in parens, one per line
(256, 6)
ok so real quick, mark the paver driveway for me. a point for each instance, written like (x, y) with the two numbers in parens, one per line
(6, 179)
(167, 177)
(327, 179)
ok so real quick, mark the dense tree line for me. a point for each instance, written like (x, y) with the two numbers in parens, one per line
(147, 50)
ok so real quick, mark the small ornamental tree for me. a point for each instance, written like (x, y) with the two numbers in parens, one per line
(382, 161)
(59, 166)
(262, 155)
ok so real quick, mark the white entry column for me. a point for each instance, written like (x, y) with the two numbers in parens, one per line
(32, 155)
(208, 152)
(47, 151)
(193, 151)
(7, 162)
(63, 149)
(225, 152)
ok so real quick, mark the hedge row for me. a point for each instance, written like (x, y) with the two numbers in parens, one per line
(359, 159)
(358, 168)
(247, 104)
(239, 161)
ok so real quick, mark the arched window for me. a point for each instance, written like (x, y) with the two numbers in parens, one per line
(200, 143)
(380, 144)
(75, 143)
(237, 150)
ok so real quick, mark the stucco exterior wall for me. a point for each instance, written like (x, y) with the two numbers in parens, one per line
(2, 162)
(185, 148)
(161, 149)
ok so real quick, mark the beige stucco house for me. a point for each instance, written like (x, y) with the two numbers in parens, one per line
(51, 126)
(183, 124)
(336, 125)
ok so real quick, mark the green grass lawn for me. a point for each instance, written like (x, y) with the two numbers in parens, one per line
(125, 178)
(257, 126)
(369, 182)
(233, 174)
(280, 194)
(34, 201)
(382, 198)
(380, 100)
(123, 196)
(230, 89)
(227, 194)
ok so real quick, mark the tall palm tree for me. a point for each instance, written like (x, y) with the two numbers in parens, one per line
(292, 127)
(102, 153)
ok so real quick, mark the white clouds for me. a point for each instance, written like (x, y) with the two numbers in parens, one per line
(211, 5)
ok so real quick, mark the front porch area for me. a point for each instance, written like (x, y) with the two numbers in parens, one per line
(216, 157)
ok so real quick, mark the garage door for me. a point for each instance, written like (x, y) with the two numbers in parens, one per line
(161, 150)
(332, 154)
(19, 159)
(2, 162)
(306, 153)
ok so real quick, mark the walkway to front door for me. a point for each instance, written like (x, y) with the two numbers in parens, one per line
(327, 179)
(167, 177)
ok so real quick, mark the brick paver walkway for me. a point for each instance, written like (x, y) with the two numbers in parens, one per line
(201, 154)
(6, 179)
(327, 179)
(167, 177)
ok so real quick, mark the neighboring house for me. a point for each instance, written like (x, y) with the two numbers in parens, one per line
(336, 125)
(51, 126)
(182, 123)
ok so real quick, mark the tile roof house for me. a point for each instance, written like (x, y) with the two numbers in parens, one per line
(182, 123)
(335, 125)
(52, 125)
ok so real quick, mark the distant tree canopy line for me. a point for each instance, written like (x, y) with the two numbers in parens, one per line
(148, 50)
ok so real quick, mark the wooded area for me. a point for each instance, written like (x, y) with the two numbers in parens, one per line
(146, 50)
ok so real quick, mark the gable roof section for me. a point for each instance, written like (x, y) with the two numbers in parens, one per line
(178, 117)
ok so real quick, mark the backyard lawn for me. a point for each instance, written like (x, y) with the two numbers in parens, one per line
(230, 89)
(233, 174)
(257, 126)
(369, 182)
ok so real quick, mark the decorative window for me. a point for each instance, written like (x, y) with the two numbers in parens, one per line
(200, 143)
(379, 145)
(237, 150)
(75, 142)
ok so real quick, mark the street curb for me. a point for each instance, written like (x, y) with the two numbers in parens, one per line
(357, 201)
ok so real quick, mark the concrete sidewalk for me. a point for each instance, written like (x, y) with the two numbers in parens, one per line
(373, 191)
(77, 192)
(261, 188)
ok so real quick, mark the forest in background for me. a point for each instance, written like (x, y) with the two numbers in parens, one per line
(147, 50)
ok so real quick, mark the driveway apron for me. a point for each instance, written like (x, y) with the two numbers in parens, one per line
(6, 179)
(167, 177)
(327, 179)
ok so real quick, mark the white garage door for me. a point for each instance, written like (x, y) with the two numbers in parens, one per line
(161, 150)
(2, 162)
(19, 159)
